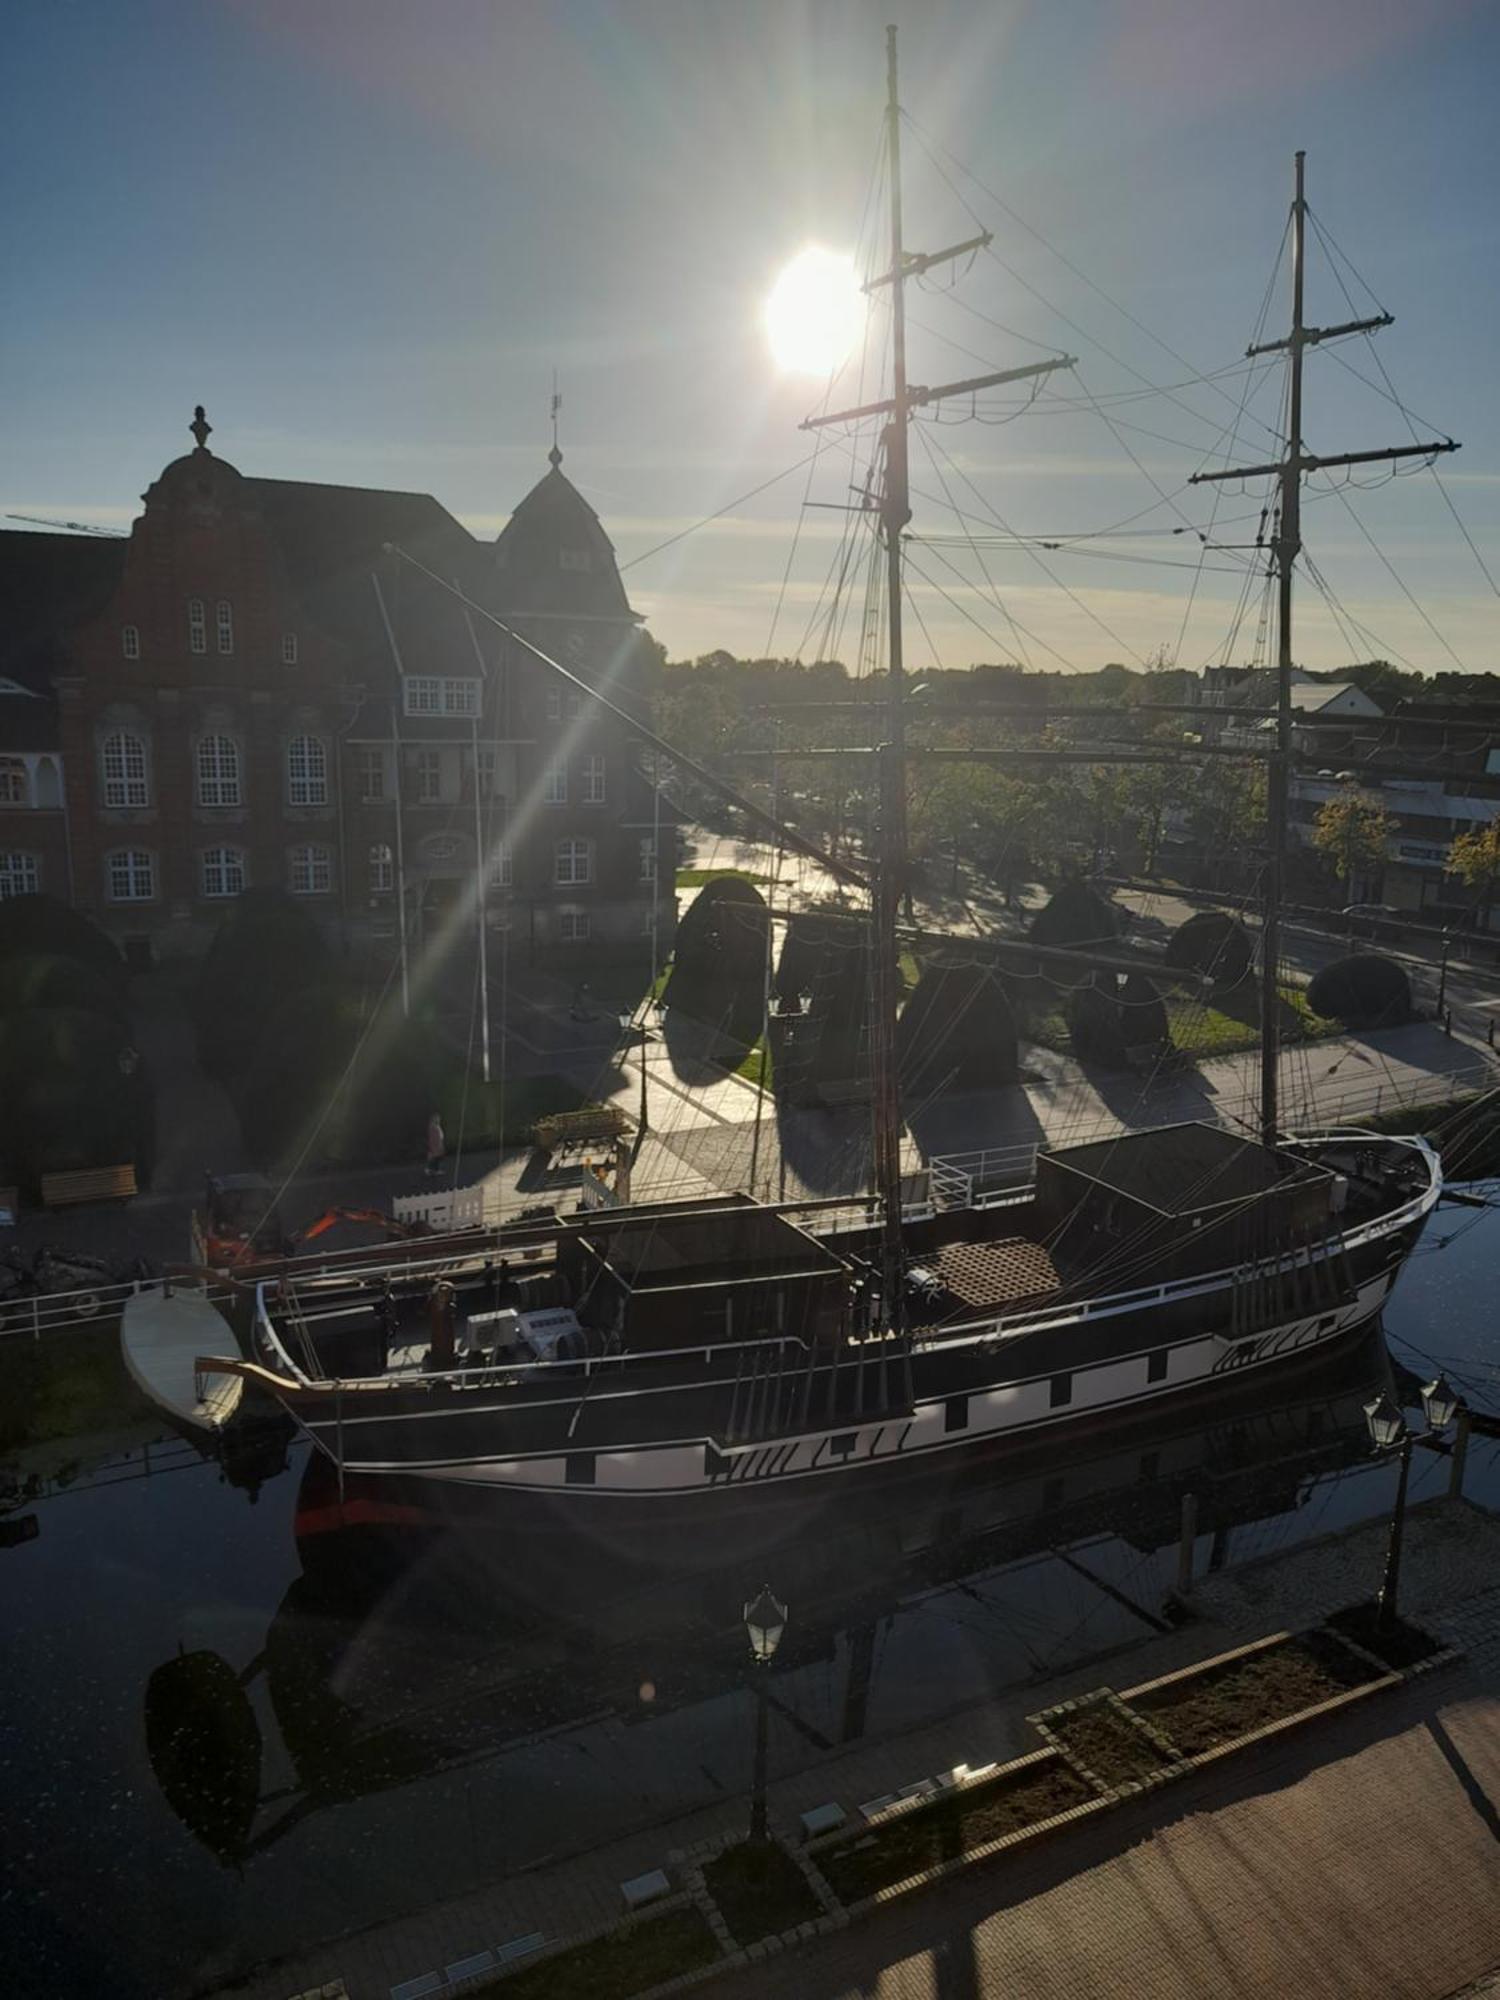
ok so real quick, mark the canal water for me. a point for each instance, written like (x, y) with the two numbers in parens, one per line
(227, 1732)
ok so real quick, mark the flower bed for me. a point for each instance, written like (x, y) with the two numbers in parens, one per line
(625, 1961)
(1108, 1741)
(926, 1836)
(1200, 1710)
(759, 1890)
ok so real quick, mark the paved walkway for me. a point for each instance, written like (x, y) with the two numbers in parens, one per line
(1270, 1878)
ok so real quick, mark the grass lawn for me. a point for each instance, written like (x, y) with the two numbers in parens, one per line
(931, 1834)
(759, 1890)
(1246, 1694)
(749, 1067)
(1202, 1028)
(66, 1385)
(1109, 1743)
(694, 878)
(622, 1963)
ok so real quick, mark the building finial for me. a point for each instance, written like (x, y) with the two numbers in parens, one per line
(554, 457)
(200, 427)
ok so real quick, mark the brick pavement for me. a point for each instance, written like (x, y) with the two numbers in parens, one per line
(1272, 1878)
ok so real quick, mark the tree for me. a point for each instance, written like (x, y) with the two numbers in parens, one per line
(957, 1031)
(41, 924)
(75, 1094)
(266, 949)
(1214, 943)
(1364, 990)
(1352, 831)
(1474, 858)
(719, 960)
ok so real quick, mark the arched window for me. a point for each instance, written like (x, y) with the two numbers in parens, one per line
(130, 875)
(306, 772)
(197, 626)
(311, 871)
(575, 862)
(130, 641)
(218, 771)
(122, 769)
(15, 784)
(382, 870)
(222, 871)
(225, 617)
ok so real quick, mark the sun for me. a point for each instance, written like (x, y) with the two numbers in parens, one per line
(815, 312)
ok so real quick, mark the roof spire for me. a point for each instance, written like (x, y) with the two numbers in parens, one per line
(554, 457)
(200, 427)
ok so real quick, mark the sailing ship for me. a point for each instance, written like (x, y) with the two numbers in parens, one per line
(705, 1353)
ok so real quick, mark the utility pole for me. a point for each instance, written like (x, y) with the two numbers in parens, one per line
(1290, 470)
(482, 865)
(894, 509)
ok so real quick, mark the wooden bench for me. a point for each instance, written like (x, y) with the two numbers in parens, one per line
(88, 1184)
(579, 1128)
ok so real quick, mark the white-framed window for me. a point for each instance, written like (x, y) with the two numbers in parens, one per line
(20, 875)
(556, 793)
(647, 852)
(503, 867)
(311, 871)
(429, 777)
(484, 772)
(130, 641)
(197, 626)
(218, 771)
(382, 870)
(222, 871)
(289, 649)
(573, 926)
(373, 790)
(593, 780)
(554, 704)
(15, 782)
(122, 767)
(422, 694)
(461, 697)
(307, 771)
(224, 617)
(574, 559)
(130, 875)
(574, 862)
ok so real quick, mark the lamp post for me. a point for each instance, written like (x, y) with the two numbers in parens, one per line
(765, 1621)
(1443, 972)
(1389, 1432)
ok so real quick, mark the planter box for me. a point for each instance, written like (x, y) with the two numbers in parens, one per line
(1118, 1751)
(1157, 1700)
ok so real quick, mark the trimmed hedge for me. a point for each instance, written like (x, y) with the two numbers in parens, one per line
(67, 1102)
(719, 959)
(1364, 990)
(1212, 942)
(1076, 918)
(957, 1031)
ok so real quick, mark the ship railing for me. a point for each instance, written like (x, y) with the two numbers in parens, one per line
(1009, 1326)
(271, 1340)
(36, 1313)
(982, 1179)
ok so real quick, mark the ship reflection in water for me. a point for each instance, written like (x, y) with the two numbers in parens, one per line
(580, 1683)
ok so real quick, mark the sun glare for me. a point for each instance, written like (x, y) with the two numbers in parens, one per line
(814, 313)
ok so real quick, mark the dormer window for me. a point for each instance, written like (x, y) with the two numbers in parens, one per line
(574, 559)
(197, 626)
(289, 649)
(130, 641)
(225, 617)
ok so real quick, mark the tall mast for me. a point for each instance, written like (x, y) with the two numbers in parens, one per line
(895, 512)
(1289, 471)
(890, 867)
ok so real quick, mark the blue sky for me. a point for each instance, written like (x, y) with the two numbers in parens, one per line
(364, 232)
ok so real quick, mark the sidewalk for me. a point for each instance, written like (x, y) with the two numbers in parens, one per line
(1272, 1878)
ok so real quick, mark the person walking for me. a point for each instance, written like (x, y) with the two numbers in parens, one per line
(437, 1144)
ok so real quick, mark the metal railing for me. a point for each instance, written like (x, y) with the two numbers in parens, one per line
(35, 1313)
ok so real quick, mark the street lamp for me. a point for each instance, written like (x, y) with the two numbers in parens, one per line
(1388, 1432)
(765, 1621)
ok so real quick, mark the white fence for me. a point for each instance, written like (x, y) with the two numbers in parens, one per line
(450, 1208)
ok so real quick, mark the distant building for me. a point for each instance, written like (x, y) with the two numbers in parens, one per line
(250, 691)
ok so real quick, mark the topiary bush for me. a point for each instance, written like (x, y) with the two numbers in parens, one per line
(49, 979)
(827, 959)
(956, 1032)
(1143, 1014)
(1365, 990)
(267, 949)
(719, 959)
(1075, 919)
(66, 1100)
(1093, 1018)
(1214, 943)
(42, 926)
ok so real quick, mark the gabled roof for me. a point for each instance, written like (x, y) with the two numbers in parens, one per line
(49, 583)
(553, 518)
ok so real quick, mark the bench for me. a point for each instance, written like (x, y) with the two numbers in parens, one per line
(577, 1128)
(88, 1184)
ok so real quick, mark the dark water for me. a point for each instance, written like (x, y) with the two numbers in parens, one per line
(220, 1740)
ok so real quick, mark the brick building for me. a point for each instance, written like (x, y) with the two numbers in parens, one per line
(254, 690)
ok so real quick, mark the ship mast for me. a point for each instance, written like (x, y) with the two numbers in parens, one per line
(890, 874)
(1287, 546)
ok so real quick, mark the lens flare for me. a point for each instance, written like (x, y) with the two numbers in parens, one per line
(815, 312)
